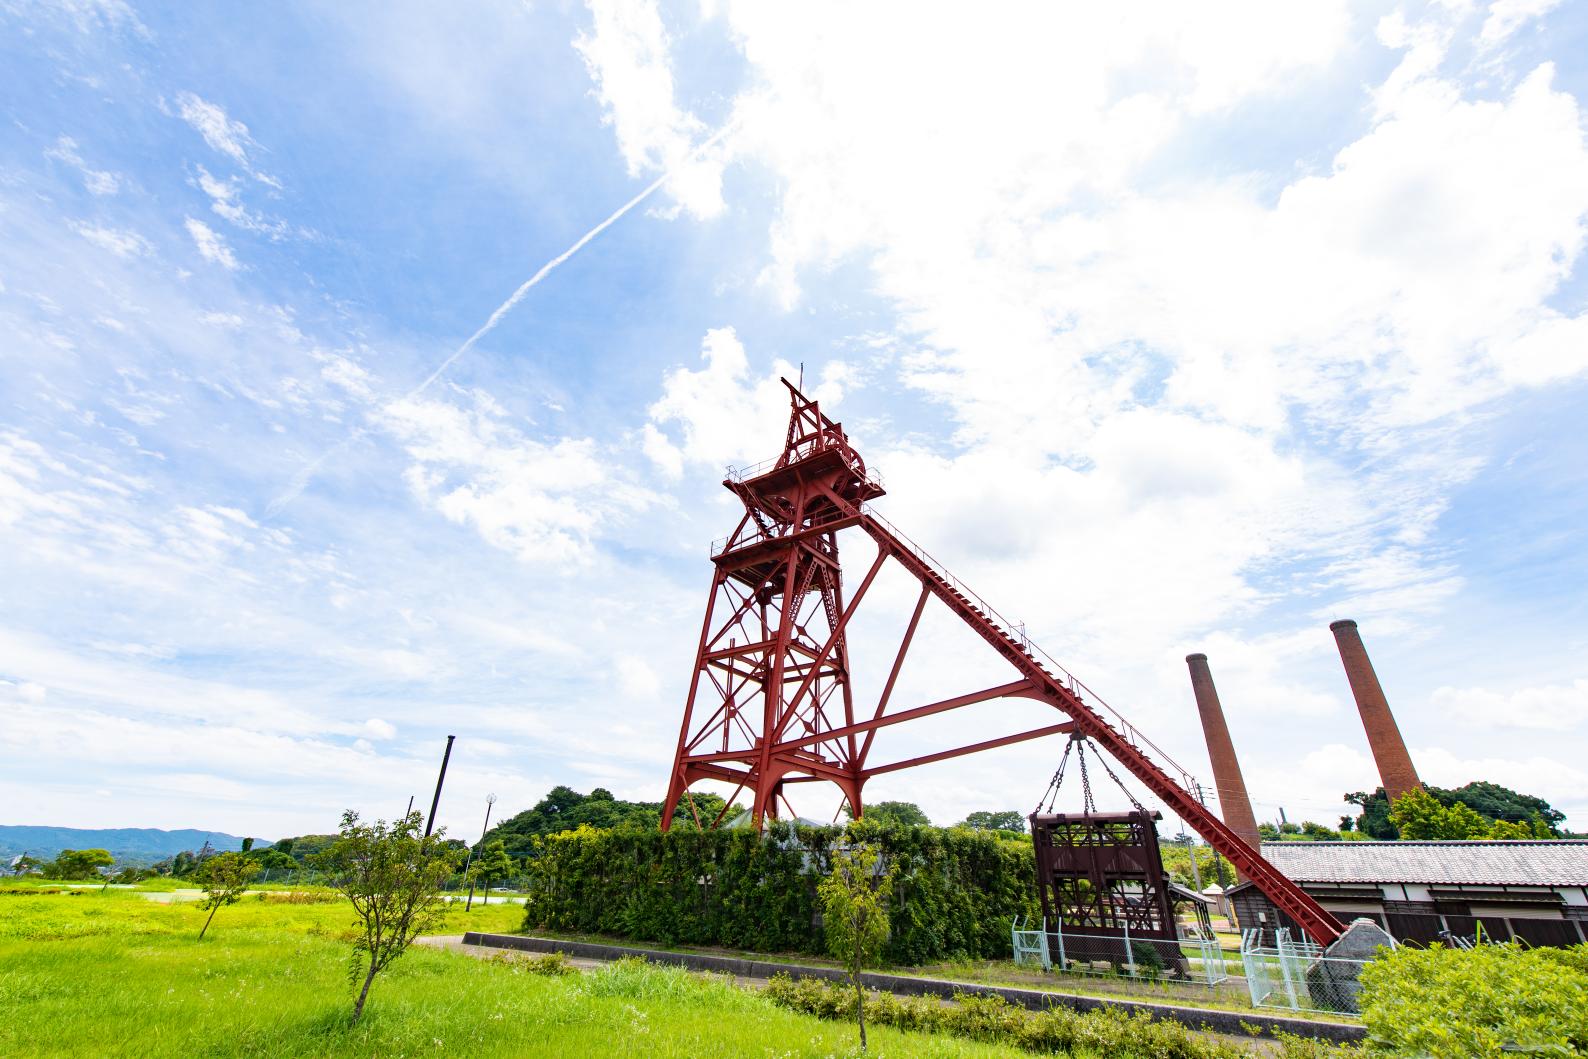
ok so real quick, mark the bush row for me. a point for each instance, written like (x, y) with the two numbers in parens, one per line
(1053, 1031)
(954, 895)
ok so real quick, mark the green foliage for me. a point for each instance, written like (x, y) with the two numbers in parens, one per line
(1418, 814)
(1148, 960)
(1494, 802)
(304, 848)
(1522, 815)
(79, 864)
(1059, 1031)
(391, 874)
(1374, 820)
(490, 863)
(1478, 1002)
(1005, 820)
(854, 899)
(224, 878)
(1211, 868)
(551, 965)
(897, 814)
(565, 809)
(275, 860)
(954, 895)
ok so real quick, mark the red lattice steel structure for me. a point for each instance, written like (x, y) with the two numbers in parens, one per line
(770, 702)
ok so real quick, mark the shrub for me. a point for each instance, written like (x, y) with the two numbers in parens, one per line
(1058, 1031)
(955, 893)
(1483, 1001)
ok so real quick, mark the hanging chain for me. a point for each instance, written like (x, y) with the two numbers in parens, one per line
(1088, 804)
(1118, 783)
(1058, 779)
(1088, 799)
(1077, 743)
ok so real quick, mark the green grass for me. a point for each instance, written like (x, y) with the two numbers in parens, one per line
(115, 974)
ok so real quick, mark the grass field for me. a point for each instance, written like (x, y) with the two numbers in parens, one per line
(110, 974)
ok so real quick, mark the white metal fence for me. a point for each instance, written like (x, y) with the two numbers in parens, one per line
(1294, 974)
(1193, 957)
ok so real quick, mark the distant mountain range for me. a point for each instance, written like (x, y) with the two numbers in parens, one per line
(129, 845)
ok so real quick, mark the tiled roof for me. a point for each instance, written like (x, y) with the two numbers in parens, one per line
(1537, 863)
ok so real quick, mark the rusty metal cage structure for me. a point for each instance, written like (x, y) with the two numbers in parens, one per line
(1101, 876)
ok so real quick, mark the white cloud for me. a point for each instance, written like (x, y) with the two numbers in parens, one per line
(376, 728)
(626, 52)
(1508, 16)
(226, 201)
(1551, 707)
(120, 242)
(222, 132)
(97, 181)
(544, 501)
(211, 246)
(637, 681)
(719, 410)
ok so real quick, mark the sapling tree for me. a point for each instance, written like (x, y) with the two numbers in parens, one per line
(855, 914)
(224, 878)
(392, 874)
(492, 863)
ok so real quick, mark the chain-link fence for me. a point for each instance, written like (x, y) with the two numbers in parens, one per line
(1294, 974)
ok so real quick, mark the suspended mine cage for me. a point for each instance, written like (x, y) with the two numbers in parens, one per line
(1100, 877)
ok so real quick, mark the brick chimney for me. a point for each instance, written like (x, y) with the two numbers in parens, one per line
(1236, 806)
(1395, 768)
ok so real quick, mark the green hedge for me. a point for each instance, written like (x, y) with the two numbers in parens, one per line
(954, 896)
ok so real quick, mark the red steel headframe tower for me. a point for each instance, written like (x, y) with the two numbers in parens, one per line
(770, 703)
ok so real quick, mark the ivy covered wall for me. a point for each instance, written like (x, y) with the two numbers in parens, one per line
(955, 893)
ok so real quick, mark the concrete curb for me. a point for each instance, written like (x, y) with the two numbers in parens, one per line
(1229, 1022)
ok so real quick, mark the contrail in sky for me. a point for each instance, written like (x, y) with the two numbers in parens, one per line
(300, 481)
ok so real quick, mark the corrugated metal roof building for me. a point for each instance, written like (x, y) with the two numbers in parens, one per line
(1431, 891)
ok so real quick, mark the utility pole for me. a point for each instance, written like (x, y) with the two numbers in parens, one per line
(442, 778)
(409, 811)
(1218, 863)
(490, 800)
(1196, 872)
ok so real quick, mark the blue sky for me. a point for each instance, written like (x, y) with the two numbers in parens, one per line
(1172, 331)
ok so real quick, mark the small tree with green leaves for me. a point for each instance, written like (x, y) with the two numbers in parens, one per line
(224, 878)
(392, 874)
(493, 862)
(855, 914)
(79, 863)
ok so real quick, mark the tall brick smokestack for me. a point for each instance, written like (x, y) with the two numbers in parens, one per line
(1395, 768)
(1233, 800)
